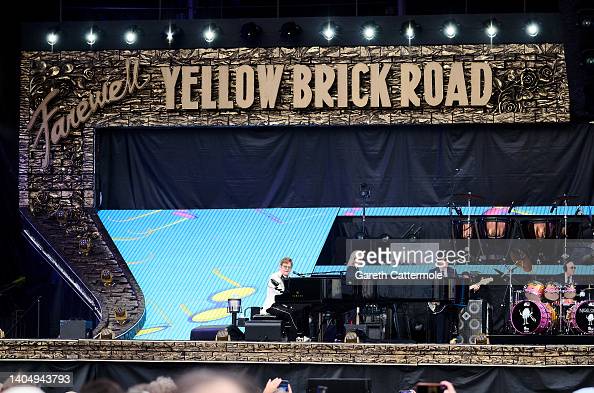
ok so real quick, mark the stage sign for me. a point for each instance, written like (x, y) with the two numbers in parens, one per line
(66, 95)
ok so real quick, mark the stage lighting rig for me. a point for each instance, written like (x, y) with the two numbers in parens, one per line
(290, 31)
(210, 33)
(329, 31)
(491, 29)
(131, 35)
(52, 37)
(251, 32)
(370, 30)
(92, 36)
(410, 30)
(532, 29)
(450, 29)
(172, 33)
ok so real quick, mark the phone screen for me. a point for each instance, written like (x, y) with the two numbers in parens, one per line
(429, 387)
(284, 385)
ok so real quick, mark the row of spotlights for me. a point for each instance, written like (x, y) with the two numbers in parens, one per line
(290, 30)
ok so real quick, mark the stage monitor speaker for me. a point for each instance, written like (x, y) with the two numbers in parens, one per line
(209, 333)
(71, 329)
(339, 385)
(471, 321)
(263, 330)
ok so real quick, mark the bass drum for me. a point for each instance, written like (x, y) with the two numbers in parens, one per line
(581, 317)
(528, 317)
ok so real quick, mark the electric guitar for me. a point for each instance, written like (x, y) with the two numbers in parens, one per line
(474, 287)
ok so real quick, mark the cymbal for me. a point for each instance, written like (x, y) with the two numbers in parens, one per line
(468, 196)
(565, 197)
(522, 260)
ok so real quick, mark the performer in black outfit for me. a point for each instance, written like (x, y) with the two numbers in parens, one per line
(445, 316)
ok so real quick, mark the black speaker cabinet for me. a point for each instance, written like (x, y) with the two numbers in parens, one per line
(471, 321)
(71, 329)
(263, 330)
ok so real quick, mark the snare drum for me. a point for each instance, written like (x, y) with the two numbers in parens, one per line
(528, 317)
(534, 290)
(494, 227)
(581, 317)
(551, 291)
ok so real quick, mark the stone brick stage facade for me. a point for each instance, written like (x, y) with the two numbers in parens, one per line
(311, 353)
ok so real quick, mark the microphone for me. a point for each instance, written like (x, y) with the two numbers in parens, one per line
(511, 207)
(298, 274)
(553, 207)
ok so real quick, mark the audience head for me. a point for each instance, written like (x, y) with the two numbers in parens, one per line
(162, 385)
(210, 381)
(101, 386)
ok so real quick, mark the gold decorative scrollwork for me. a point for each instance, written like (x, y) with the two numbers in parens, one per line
(514, 89)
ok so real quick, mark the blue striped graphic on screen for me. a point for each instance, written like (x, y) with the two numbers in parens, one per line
(188, 262)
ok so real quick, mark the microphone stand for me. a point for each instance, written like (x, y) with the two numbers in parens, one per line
(363, 221)
(565, 256)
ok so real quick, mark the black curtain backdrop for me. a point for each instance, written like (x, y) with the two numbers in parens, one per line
(168, 168)
(384, 379)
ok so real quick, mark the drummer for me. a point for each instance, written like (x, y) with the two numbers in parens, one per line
(569, 269)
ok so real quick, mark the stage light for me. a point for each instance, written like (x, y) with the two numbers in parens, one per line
(84, 246)
(121, 314)
(106, 334)
(61, 217)
(171, 33)
(92, 36)
(585, 18)
(52, 37)
(410, 30)
(491, 29)
(131, 36)
(210, 33)
(290, 31)
(223, 335)
(588, 57)
(450, 29)
(251, 32)
(233, 306)
(329, 31)
(532, 29)
(370, 30)
(106, 277)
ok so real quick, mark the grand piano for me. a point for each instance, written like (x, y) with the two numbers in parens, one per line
(321, 294)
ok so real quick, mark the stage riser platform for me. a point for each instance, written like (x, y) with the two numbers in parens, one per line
(307, 353)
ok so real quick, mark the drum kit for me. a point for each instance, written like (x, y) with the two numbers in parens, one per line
(541, 308)
(552, 308)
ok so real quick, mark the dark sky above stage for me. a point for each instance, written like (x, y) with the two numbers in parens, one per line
(98, 10)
